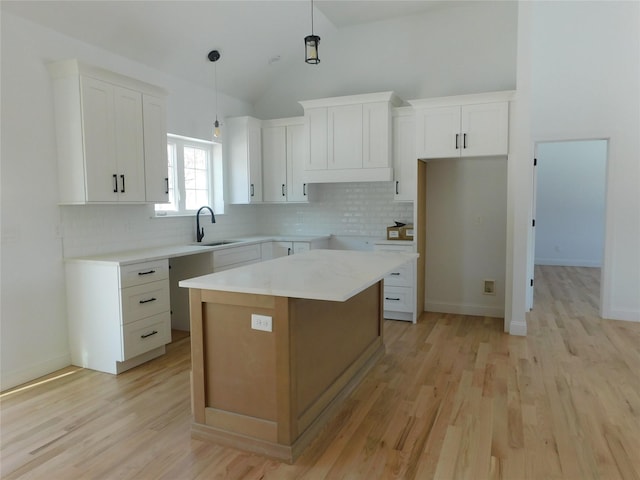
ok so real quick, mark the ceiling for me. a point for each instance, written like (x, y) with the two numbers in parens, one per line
(257, 39)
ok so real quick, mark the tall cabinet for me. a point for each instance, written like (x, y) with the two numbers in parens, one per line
(111, 136)
(244, 159)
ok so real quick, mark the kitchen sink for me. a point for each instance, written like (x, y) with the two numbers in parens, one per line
(216, 243)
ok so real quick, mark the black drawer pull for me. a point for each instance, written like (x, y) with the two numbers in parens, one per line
(149, 334)
(394, 273)
(152, 299)
(390, 298)
(147, 273)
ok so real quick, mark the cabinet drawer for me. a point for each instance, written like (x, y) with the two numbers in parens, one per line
(401, 276)
(399, 299)
(146, 272)
(230, 256)
(145, 300)
(146, 334)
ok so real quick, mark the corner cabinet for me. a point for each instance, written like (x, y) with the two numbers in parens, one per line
(243, 152)
(462, 126)
(111, 136)
(119, 315)
(348, 139)
(283, 160)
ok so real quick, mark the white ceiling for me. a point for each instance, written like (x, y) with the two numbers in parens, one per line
(175, 36)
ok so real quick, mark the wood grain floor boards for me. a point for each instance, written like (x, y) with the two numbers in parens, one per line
(453, 398)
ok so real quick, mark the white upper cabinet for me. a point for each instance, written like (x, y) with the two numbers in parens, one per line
(243, 147)
(283, 158)
(468, 125)
(103, 155)
(348, 139)
(404, 155)
(154, 112)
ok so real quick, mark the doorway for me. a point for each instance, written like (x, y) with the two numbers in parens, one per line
(569, 206)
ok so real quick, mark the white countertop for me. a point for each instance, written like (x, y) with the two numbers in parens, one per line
(334, 275)
(171, 251)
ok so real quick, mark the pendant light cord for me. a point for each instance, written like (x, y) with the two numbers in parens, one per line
(215, 79)
(311, 17)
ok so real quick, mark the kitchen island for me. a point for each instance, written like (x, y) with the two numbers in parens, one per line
(277, 346)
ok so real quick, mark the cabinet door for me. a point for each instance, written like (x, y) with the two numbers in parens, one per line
(344, 137)
(156, 170)
(404, 158)
(282, 249)
(243, 152)
(274, 164)
(376, 142)
(296, 187)
(255, 161)
(485, 129)
(98, 128)
(438, 132)
(129, 145)
(299, 247)
(315, 122)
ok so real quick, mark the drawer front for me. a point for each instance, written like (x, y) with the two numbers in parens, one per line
(146, 334)
(235, 265)
(145, 300)
(398, 299)
(230, 256)
(146, 272)
(401, 276)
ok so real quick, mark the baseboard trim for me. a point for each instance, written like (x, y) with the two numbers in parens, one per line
(624, 315)
(567, 262)
(18, 377)
(518, 328)
(462, 309)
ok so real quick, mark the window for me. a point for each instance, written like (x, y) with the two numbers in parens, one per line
(195, 176)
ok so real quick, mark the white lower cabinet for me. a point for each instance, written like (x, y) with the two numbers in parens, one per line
(232, 257)
(277, 249)
(119, 316)
(400, 287)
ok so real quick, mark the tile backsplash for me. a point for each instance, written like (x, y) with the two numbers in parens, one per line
(355, 209)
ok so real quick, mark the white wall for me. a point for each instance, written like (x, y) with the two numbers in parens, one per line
(465, 47)
(33, 330)
(570, 203)
(584, 68)
(466, 234)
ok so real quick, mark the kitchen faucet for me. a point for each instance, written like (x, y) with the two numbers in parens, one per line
(200, 231)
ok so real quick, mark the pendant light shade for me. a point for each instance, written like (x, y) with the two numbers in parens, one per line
(311, 43)
(214, 56)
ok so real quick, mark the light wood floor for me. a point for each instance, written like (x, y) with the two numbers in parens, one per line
(453, 398)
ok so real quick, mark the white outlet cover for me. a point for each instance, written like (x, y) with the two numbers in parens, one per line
(261, 322)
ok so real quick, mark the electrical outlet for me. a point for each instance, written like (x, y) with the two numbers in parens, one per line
(489, 287)
(261, 322)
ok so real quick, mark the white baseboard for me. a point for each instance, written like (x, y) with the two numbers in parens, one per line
(626, 315)
(567, 262)
(17, 377)
(518, 328)
(462, 309)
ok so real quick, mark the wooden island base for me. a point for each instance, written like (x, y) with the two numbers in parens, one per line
(272, 392)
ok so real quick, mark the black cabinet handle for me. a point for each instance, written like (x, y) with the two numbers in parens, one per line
(166, 182)
(304, 189)
(148, 272)
(283, 194)
(395, 273)
(289, 251)
(149, 334)
(457, 136)
(464, 141)
(397, 182)
(115, 183)
(122, 178)
(252, 190)
(390, 298)
(152, 299)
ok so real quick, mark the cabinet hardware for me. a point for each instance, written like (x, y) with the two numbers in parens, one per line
(304, 189)
(149, 272)
(395, 273)
(464, 140)
(289, 251)
(149, 334)
(152, 299)
(115, 183)
(252, 192)
(122, 178)
(283, 194)
(457, 136)
(166, 182)
(397, 182)
(391, 298)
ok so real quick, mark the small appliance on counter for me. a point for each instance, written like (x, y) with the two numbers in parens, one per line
(401, 231)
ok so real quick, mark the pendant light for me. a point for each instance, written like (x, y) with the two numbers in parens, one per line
(214, 56)
(311, 44)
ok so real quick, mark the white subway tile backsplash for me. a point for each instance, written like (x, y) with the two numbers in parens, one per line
(348, 209)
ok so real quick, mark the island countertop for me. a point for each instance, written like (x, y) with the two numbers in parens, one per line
(333, 275)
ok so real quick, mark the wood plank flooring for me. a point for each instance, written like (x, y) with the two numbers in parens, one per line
(453, 398)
